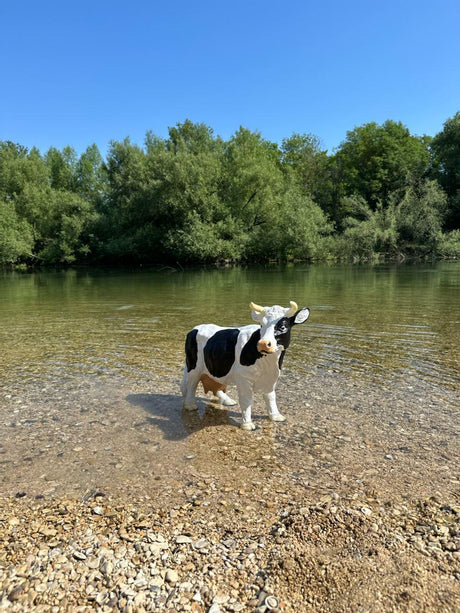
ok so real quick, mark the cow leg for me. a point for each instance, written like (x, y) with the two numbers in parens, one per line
(189, 384)
(218, 389)
(270, 402)
(225, 400)
(245, 398)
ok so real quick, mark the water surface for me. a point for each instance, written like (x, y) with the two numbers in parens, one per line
(91, 361)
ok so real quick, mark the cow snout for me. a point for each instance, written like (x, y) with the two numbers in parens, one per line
(266, 346)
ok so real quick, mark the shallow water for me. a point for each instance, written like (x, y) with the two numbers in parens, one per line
(91, 361)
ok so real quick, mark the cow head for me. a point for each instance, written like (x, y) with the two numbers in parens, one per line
(276, 323)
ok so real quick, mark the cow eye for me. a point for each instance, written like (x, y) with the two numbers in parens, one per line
(282, 329)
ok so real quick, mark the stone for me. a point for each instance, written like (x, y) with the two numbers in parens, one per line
(171, 576)
(182, 539)
(79, 555)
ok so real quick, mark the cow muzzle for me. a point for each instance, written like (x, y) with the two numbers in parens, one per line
(266, 346)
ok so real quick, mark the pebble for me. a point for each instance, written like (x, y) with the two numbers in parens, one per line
(79, 555)
(182, 539)
(128, 560)
(171, 576)
(271, 603)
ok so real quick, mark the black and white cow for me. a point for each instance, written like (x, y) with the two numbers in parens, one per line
(249, 357)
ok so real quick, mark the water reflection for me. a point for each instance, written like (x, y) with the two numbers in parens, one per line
(377, 322)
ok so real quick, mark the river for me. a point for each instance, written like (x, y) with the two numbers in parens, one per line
(91, 361)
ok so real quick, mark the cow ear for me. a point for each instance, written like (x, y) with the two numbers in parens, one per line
(301, 316)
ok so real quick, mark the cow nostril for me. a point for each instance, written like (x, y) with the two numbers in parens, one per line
(269, 344)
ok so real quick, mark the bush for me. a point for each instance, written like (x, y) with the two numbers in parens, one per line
(449, 245)
(16, 237)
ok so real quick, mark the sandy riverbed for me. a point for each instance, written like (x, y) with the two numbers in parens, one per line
(114, 499)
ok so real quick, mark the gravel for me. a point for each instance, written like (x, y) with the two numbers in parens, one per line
(60, 555)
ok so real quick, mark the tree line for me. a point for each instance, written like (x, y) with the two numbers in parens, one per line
(194, 197)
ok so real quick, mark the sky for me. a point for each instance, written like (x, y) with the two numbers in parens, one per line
(77, 73)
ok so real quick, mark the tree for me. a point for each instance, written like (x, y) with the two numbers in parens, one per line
(368, 232)
(301, 228)
(310, 166)
(420, 217)
(90, 176)
(191, 137)
(62, 167)
(123, 208)
(16, 239)
(375, 160)
(252, 186)
(410, 223)
(65, 229)
(59, 222)
(19, 167)
(445, 149)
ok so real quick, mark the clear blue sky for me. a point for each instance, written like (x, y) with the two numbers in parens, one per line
(82, 72)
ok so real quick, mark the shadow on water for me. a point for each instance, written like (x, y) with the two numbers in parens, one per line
(166, 413)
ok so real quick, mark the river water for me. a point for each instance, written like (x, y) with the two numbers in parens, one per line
(91, 361)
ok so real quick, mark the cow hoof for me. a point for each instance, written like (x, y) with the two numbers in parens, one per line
(249, 426)
(190, 406)
(278, 417)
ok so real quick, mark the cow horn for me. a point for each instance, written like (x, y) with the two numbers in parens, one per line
(256, 308)
(293, 310)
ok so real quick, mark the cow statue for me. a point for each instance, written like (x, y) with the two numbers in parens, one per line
(249, 357)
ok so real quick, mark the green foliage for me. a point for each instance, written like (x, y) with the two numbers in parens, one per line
(369, 231)
(449, 245)
(420, 216)
(59, 220)
(410, 223)
(193, 197)
(198, 241)
(252, 180)
(445, 149)
(311, 168)
(376, 160)
(18, 168)
(298, 232)
(65, 227)
(62, 167)
(89, 175)
(16, 240)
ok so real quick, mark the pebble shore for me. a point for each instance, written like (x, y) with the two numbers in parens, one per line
(100, 555)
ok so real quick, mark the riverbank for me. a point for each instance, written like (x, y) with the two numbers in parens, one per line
(115, 499)
(209, 553)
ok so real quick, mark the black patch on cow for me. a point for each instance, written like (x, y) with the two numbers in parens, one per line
(191, 350)
(280, 361)
(283, 333)
(249, 353)
(219, 351)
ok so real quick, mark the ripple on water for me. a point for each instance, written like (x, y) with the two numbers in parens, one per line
(398, 350)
